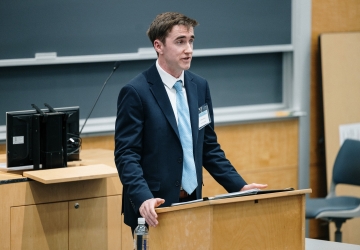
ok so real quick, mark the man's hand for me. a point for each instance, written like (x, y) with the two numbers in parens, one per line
(254, 185)
(147, 210)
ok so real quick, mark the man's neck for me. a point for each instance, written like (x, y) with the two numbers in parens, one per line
(164, 71)
(173, 73)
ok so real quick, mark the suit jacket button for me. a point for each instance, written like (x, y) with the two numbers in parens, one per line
(180, 160)
(177, 183)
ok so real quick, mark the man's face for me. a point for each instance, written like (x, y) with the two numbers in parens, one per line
(176, 54)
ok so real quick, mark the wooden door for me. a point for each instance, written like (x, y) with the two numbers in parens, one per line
(95, 223)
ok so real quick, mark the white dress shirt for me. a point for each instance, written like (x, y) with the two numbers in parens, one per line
(169, 81)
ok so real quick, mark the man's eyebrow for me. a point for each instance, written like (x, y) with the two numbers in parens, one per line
(181, 37)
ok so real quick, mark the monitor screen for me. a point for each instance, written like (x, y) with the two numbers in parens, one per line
(47, 140)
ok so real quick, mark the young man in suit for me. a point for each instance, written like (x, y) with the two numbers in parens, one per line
(164, 136)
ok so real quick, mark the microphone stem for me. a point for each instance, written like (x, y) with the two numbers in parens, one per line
(115, 67)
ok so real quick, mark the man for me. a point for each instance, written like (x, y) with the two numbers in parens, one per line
(163, 135)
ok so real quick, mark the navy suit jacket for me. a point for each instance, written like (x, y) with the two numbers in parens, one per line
(148, 152)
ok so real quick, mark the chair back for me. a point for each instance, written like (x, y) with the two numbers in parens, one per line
(347, 164)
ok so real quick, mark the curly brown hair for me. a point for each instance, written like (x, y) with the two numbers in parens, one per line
(163, 24)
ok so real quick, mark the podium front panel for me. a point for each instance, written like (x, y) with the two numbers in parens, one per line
(264, 221)
(259, 224)
(183, 229)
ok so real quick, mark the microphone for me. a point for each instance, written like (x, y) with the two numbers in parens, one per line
(116, 65)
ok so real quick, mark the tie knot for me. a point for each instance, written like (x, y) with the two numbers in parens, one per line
(178, 85)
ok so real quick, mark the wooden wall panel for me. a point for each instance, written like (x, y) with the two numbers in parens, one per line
(341, 88)
(94, 142)
(265, 152)
(2, 148)
(327, 16)
(260, 145)
(340, 53)
(276, 178)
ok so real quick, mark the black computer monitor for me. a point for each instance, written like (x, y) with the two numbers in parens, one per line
(42, 139)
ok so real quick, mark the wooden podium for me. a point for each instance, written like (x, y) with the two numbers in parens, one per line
(266, 221)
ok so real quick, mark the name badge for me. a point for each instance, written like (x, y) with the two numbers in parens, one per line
(204, 116)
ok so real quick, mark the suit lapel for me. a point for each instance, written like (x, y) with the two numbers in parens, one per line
(158, 90)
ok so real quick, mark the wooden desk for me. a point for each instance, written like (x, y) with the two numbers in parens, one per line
(78, 214)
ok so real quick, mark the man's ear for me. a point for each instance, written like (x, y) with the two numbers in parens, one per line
(158, 46)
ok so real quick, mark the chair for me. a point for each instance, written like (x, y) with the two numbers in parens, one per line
(334, 208)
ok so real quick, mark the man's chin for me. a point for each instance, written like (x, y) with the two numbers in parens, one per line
(186, 66)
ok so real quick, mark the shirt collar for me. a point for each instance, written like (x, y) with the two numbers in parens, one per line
(168, 79)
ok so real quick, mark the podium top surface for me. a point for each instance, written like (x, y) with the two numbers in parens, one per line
(233, 200)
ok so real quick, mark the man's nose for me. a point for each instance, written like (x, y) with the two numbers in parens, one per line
(189, 48)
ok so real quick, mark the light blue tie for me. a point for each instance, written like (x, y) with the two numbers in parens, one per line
(189, 181)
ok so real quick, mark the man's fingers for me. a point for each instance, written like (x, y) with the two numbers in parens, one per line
(147, 210)
(159, 202)
(152, 214)
(254, 185)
